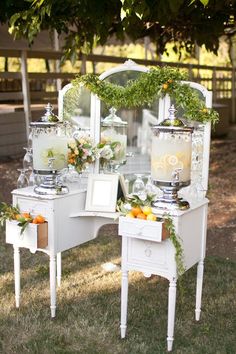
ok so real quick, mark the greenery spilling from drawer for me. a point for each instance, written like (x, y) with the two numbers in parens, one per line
(134, 200)
(9, 212)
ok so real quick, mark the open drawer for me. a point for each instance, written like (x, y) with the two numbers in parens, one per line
(34, 236)
(144, 229)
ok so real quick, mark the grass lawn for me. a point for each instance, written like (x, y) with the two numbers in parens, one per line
(88, 311)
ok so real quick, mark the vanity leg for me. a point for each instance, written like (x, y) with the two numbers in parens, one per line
(59, 269)
(124, 303)
(171, 314)
(200, 270)
(53, 284)
(17, 274)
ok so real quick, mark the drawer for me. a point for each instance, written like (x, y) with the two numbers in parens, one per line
(147, 253)
(144, 229)
(34, 236)
(34, 207)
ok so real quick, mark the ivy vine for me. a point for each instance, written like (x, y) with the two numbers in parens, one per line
(149, 86)
(175, 239)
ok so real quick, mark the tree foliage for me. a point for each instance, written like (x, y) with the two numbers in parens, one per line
(86, 23)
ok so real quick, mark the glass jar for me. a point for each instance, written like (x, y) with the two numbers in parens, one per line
(114, 134)
(171, 155)
(49, 142)
(50, 152)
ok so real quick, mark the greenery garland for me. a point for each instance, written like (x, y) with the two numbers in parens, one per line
(175, 239)
(149, 86)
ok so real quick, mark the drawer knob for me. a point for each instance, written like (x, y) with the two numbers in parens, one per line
(148, 252)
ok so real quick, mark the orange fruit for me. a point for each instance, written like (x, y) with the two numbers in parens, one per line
(165, 86)
(40, 219)
(141, 216)
(18, 216)
(130, 215)
(35, 221)
(26, 215)
(136, 210)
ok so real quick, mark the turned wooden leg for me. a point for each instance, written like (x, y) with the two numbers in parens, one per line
(124, 303)
(53, 285)
(171, 314)
(59, 269)
(17, 274)
(200, 270)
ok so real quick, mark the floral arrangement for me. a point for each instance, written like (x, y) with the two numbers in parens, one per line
(82, 152)
(108, 150)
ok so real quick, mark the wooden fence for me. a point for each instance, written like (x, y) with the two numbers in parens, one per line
(24, 94)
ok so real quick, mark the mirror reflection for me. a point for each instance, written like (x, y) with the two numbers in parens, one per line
(138, 129)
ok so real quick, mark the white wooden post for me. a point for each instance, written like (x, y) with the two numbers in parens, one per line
(17, 274)
(25, 90)
(53, 284)
(171, 314)
(58, 69)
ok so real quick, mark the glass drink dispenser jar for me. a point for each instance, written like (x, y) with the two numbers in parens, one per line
(171, 160)
(49, 144)
(114, 133)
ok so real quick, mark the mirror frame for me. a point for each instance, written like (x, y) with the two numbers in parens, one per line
(164, 105)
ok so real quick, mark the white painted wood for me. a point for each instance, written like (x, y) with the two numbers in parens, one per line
(61, 95)
(206, 156)
(17, 274)
(28, 239)
(25, 90)
(57, 48)
(109, 215)
(171, 314)
(124, 303)
(53, 284)
(144, 229)
(200, 271)
(68, 226)
(59, 269)
(155, 257)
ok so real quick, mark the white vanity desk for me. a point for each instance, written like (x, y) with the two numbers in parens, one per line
(69, 225)
(143, 251)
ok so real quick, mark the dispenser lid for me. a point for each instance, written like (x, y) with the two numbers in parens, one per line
(113, 119)
(48, 119)
(172, 123)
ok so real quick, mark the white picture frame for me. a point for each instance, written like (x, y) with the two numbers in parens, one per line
(102, 192)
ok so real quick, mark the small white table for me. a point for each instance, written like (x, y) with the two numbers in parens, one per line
(141, 252)
(69, 225)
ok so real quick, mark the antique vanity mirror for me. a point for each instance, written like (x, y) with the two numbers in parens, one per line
(134, 122)
(90, 111)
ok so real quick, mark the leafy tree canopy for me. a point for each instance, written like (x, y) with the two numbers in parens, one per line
(86, 23)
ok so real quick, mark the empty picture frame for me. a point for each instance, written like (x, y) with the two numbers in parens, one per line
(102, 192)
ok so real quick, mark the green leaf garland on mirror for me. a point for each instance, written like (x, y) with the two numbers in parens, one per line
(151, 85)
